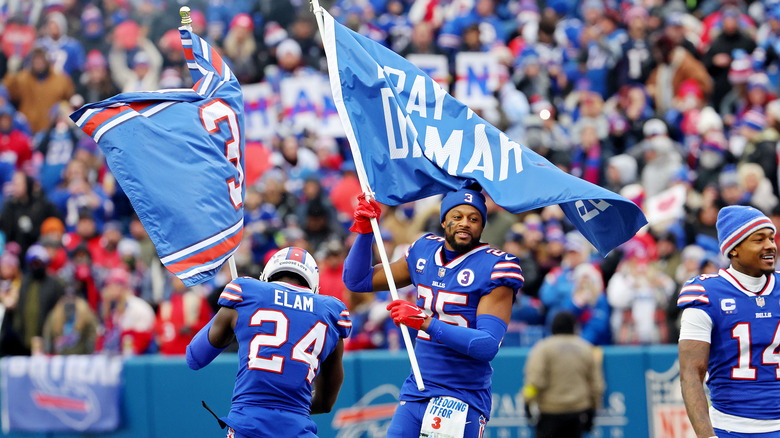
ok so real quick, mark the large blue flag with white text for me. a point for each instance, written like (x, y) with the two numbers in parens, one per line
(416, 140)
(179, 157)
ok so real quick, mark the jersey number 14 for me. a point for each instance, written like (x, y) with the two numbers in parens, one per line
(743, 370)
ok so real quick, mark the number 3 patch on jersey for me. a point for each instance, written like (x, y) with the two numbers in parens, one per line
(445, 417)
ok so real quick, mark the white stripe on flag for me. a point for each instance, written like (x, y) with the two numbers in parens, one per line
(113, 122)
(226, 72)
(207, 267)
(154, 109)
(222, 235)
(205, 83)
(87, 114)
(205, 51)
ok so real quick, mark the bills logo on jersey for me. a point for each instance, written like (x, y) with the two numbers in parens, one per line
(465, 277)
(729, 306)
(442, 272)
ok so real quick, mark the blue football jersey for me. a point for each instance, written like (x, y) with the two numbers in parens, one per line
(451, 292)
(744, 365)
(284, 333)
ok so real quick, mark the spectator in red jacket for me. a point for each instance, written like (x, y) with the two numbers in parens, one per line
(180, 317)
(15, 145)
(127, 321)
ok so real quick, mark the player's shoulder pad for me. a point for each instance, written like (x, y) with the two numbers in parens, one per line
(330, 301)
(424, 241)
(339, 313)
(234, 292)
(694, 291)
(505, 265)
(430, 237)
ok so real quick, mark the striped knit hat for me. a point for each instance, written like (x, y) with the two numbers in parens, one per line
(736, 223)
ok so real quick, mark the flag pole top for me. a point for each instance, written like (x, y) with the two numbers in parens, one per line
(184, 11)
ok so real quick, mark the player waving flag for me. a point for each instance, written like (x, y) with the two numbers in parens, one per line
(179, 156)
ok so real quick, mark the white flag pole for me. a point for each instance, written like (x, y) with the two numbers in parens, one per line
(363, 178)
(186, 21)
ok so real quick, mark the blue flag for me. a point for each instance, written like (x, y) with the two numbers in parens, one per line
(416, 140)
(179, 157)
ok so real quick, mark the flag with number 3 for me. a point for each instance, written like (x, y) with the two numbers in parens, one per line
(179, 156)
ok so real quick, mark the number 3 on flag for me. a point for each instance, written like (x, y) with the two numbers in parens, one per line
(211, 114)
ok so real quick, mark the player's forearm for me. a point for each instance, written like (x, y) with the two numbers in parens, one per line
(328, 382)
(200, 352)
(358, 272)
(694, 356)
(323, 401)
(697, 406)
(326, 391)
(480, 343)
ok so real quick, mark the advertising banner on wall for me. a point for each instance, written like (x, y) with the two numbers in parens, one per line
(61, 393)
(642, 397)
(665, 407)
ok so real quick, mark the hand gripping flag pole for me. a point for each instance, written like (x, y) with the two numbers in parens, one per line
(186, 21)
(363, 178)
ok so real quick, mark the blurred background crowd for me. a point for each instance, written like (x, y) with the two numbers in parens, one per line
(669, 103)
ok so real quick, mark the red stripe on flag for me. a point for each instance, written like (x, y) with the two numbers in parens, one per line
(188, 54)
(208, 255)
(216, 61)
(59, 402)
(139, 106)
(102, 117)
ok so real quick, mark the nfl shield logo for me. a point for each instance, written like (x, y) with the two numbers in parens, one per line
(760, 301)
(442, 271)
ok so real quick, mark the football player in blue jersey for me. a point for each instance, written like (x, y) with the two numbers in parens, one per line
(730, 332)
(289, 339)
(465, 291)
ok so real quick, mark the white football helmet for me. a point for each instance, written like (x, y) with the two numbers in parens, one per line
(295, 260)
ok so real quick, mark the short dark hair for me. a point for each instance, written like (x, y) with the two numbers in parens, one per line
(564, 323)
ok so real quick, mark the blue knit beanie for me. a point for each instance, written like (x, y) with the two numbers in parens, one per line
(736, 223)
(464, 197)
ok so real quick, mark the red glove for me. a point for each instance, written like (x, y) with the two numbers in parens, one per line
(365, 210)
(406, 313)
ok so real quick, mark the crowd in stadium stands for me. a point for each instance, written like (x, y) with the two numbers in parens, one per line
(669, 103)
